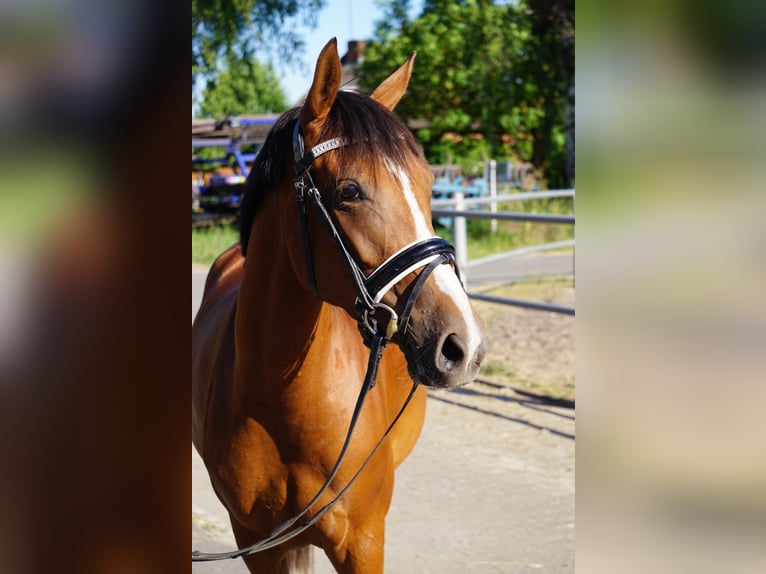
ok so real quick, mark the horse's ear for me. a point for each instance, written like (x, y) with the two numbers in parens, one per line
(393, 87)
(324, 88)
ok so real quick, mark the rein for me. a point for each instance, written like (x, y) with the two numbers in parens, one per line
(425, 254)
(279, 535)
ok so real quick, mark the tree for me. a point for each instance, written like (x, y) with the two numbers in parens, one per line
(243, 87)
(553, 32)
(229, 29)
(481, 83)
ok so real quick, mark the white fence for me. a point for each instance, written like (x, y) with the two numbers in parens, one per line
(455, 208)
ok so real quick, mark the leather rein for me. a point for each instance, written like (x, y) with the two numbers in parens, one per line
(426, 254)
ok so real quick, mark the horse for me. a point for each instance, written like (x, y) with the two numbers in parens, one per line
(337, 256)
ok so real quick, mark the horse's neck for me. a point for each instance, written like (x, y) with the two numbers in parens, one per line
(275, 317)
(279, 325)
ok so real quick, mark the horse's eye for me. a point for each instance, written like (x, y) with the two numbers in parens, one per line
(350, 192)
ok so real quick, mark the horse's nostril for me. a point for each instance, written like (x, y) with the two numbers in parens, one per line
(452, 352)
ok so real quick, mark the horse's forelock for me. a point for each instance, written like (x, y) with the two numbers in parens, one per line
(382, 134)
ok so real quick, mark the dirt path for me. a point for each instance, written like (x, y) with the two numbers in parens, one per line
(532, 350)
(489, 487)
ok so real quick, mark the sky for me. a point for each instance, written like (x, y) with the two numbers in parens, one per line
(344, 19)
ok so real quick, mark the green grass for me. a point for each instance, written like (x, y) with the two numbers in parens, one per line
(499, 372)
(493, 368)
(514, 234)
(209, 242)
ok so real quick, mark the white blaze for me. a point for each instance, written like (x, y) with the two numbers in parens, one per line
(446, 279)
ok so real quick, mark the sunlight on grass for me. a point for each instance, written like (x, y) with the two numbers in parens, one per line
(209, 242)
(482, 241)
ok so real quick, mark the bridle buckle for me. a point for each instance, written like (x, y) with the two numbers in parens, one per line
(392, 328)
(300, 189)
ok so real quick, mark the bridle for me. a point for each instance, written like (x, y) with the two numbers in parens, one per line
(369, 289)
(426, 254)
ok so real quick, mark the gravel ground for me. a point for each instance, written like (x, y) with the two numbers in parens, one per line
(489, 487)
(532, 350)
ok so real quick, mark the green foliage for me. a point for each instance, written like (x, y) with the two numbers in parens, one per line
(225, 29)
(209, 153)
(243, 87)
(491, 77)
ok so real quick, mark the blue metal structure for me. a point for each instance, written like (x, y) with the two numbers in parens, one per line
(222, 193)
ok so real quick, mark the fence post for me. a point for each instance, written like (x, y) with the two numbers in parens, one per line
(459, 236)
(493, 191)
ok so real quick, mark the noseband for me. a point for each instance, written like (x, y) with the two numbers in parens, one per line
(425, 253)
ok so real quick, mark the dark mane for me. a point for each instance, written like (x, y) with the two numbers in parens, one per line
(353, 115)
(266, 171)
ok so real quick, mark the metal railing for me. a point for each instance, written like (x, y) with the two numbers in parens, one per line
(459, 214)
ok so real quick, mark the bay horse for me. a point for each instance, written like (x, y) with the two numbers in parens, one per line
(335, 238)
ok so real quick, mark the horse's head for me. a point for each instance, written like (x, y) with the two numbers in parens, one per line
(374, 184)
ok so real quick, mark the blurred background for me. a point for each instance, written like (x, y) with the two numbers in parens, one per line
(671, 274)
(93, 391)
(670, 333)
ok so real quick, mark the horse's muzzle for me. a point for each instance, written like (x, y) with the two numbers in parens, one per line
(443, 361)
